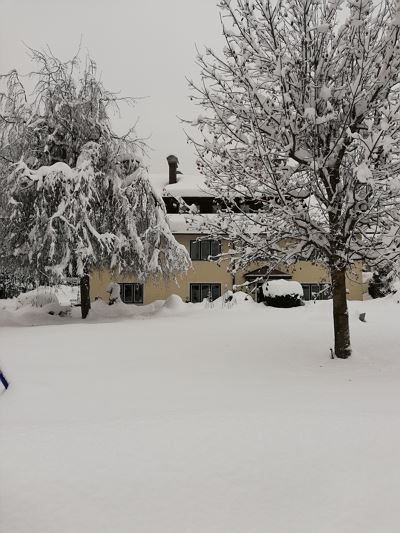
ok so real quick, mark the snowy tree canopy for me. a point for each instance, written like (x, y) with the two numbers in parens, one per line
(68, 108)
(300, 125)
(78, 195)
(301, 117)
(65, 221)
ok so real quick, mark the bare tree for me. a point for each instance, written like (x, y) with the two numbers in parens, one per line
(301, 134)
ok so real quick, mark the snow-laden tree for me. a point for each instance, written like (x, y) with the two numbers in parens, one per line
(77, 195)
(301, 135)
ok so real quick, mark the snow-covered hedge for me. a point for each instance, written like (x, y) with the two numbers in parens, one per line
(54, 300)
(283, 293)
(39, 297)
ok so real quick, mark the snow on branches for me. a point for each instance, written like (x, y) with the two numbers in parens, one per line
(302, 117)
(65, 221)
(300, 126)
(76, 195)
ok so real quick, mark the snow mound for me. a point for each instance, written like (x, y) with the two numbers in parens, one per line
(242, 298)
(282, 287)
(230, 298)
(103, 310)
(174, 303)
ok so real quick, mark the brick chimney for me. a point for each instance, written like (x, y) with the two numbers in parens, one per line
(173, 166)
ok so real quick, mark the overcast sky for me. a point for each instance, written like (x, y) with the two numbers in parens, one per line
(142, 47)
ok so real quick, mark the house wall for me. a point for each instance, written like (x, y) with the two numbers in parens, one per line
(308, 272)
(159, 288)
(209, 272)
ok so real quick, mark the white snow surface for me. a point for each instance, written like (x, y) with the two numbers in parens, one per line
(282, 287)
(183, 418)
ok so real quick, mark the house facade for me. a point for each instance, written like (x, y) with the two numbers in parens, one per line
(207, 278)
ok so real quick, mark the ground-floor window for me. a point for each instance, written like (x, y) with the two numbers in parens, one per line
(199, 291)
(317, 291)
(131, 293)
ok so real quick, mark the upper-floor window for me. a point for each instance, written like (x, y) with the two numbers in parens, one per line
(204, 250)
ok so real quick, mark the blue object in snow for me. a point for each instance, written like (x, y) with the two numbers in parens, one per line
(3, 380)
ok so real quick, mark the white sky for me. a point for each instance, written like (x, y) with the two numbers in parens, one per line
(142, 48)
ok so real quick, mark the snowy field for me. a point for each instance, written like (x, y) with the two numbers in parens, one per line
(185, 419)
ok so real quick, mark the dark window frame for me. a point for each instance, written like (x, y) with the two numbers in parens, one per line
(136, 288)
(322, 294)
(201, 287)
(197, 249)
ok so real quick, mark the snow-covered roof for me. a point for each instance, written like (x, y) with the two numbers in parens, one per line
(187, 185)
(196, 223)
(183, 223)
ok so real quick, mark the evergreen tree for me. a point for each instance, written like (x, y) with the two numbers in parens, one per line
(76, 195)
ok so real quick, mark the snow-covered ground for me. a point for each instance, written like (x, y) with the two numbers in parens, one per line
(188, 419)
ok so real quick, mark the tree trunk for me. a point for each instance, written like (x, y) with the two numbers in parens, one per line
(85, 295)
(340, 314)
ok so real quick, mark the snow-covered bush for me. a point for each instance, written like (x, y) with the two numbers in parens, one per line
(381, 283)
(283, 293)
(39, 297)
(45, 298)
(114, 290)
(55, 300)
(230, 299)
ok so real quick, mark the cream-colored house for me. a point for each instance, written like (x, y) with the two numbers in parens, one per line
(207, 278)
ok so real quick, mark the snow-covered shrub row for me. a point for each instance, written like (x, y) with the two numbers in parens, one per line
(39, 297)
(43, 297)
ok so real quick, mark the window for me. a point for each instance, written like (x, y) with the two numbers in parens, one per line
(202, 250)
(199, 291)
(317, 291)
(131, 293)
